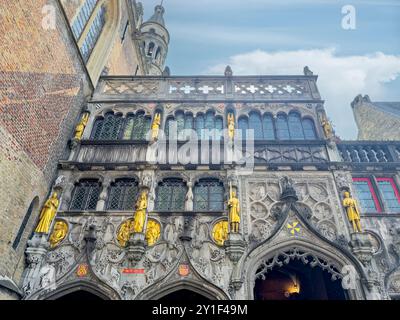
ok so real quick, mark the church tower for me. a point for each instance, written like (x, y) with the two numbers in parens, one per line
(155, 42)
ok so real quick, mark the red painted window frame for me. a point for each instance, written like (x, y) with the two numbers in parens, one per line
(373, 193)
(393, 184)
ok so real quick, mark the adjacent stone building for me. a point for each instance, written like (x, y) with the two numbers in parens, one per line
(209, 187)
(376, 120)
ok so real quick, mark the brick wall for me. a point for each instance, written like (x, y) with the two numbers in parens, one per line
(42, 90)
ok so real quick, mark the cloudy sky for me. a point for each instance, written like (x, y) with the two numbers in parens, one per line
(282, 36)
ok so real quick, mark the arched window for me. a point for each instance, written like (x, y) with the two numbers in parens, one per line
(219, 126)
(170, 195)
(268, 127)
(209, 195)
(168, 125)
(282, 130)
(243, 126)
(256, 124)
(309, 129)
(180, 121)
(200, 125)
(189, 121)
(151, 49)
(137, 126)
(85, 195)
(295, 126)
(123, 194)
(108, 128)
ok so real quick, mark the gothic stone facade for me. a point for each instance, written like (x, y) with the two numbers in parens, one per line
(293, 180)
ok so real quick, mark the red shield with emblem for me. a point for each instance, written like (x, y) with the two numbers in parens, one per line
(82, 270)
(184, 270)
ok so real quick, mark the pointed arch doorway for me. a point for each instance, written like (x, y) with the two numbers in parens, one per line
(298, 281)
(184, 295)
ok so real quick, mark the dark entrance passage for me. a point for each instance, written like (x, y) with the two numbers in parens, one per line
(297, 281)
(80, 295)
(185, 296)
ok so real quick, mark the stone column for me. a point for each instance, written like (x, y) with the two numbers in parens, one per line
(67, 196)
(189, 197)
(101, 203)
(362, 248)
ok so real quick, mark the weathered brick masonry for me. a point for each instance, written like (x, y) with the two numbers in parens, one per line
(43, 87)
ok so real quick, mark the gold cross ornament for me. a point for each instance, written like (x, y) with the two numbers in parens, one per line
(294, 229)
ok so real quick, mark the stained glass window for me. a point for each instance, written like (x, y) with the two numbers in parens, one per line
(390, 194)
(366, 195)
(209, 195)
(268, 127)
(295, 127)
(309, 129)
(282, 130)
(170, 195)
(85, 195)
(123, 194)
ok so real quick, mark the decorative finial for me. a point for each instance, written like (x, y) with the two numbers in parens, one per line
(307, 71)
(228, 71)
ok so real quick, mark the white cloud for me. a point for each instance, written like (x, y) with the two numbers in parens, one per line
(341, 78)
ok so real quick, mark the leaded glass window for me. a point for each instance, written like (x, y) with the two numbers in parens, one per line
(295, 126)
(168, 126)
(256, 124)
(309, 129)
(366, 195)
(123, 194)
(137, 126)
(108, 128)
(180, 121)
(219, 126)
(243, 127)
(200, 125)
(389, 193)
(282, 130)
(93, 34)
(85, 195)
(209, 195)
(170, 195)
(268, 127)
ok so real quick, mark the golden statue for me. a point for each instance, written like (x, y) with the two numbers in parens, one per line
(352, 211)
(140, 213)
(155, 127)
(153, 232)
(124, 232)
(80, 128)
(231, 126)
(220, 232)
(326, 125)
(59, 233)
(47, 215)
(234, 211)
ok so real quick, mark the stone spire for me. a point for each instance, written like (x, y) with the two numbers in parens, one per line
(158, 16)
(155, 41)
